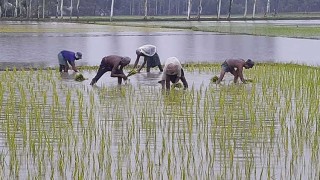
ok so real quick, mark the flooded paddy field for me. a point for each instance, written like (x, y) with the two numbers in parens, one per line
(55, 127)
(37, 44)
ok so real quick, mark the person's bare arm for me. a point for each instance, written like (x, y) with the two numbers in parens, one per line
(221, 76)
(162, 82)
(184, 82)
(142, 65)
(136, 62)
(115, 72)
(74, 67)
(168, 83)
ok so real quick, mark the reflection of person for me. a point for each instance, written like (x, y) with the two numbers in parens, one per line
(67, 57)
(172, 72)
(235, 67)
(114, 64)
(151, 57)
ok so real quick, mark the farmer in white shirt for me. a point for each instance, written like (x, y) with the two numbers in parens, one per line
(151, 57)
(172, 72)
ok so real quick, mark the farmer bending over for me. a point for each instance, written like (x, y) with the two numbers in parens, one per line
(66, 57)
(114, 64)
(173, 72)
(149, 52)
(235, 67)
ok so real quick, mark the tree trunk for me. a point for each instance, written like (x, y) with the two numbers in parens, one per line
(145, 9)
(189, 9)
(254, 8)
(156, 8)
(38, 9)
(111, 10)
(78, 4)
(16, 9)
(30, 8)
(132, 7)
(218, 8)
(57, 8)
(43, 8)
(199, 9)
(245, 9)
(230, 5)
(268, 7)
(61, 9)
(71, 8)
(169, 7)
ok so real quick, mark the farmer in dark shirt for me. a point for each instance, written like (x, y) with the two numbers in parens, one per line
(151, 57)
(235, 67)
(67, 57)
(114, 64)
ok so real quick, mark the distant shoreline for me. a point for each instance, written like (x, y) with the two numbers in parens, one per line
(93, 19)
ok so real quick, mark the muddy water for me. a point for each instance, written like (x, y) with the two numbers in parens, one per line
(37, 44)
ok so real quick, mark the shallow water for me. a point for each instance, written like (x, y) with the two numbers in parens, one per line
(53, 126)
(41, 42)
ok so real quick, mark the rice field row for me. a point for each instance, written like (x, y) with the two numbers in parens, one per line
(52, 127)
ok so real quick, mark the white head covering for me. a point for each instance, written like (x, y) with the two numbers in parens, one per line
(172, 66)
(148, 49)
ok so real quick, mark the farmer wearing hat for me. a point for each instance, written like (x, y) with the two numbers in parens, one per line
(151, 57)
(67, 57)
(235, 67)
(173, 72)
(112, 63)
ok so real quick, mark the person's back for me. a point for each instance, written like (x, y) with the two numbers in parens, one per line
(112, 60)
(147, 50)
(235, 63)
(65, 57)
(151, 57)
(113, 63)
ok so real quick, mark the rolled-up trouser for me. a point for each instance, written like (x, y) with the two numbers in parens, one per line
(226, 67)
(62, 62)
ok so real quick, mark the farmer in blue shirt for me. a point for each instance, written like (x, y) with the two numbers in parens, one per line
(68, 57)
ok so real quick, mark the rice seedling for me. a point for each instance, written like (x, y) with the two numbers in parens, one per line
(55, 128)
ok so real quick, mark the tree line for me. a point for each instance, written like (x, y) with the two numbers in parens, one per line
(188, 8)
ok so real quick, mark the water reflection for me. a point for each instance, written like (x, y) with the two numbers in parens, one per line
(188, 46)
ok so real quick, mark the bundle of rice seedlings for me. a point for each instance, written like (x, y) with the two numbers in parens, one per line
(214, 79)
(79, 77)
(132, 72)
(176, 85)
(249, 80)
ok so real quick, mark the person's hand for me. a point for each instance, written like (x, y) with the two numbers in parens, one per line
(92, 82)
(125, 77)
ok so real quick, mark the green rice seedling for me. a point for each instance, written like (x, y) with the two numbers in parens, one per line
(79, 77)
(132, 72)
(214, 79)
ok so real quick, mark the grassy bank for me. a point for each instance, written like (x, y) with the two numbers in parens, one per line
(280, 25)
